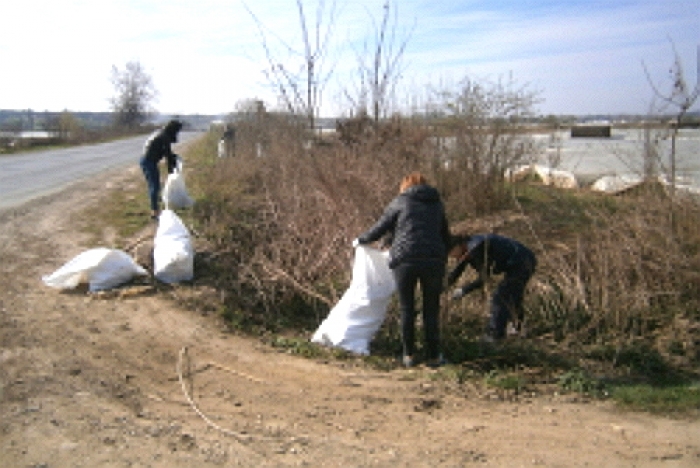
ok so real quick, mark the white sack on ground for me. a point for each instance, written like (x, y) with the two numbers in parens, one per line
(614, 184)
(173, 255)
(175, 194)
(354, 320)
(549, 176)
(101, 268)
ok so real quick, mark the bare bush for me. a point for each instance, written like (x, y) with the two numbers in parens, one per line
(300, 84)
(311, 196)
(285, 216)
(135, 93)
(626, 276)
(317, 199)
(281, 221)
(481, 136)
(379, 66)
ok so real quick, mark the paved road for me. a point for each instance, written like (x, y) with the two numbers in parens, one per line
(27, 176)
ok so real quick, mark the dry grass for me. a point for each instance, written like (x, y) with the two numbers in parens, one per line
(616, 287)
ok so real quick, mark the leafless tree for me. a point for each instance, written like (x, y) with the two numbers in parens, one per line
(134, 94)
(481, 138)
(379, 65)
(68, 126)
(300, 85)
(681, 97)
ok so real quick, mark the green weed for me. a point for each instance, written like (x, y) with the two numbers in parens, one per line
(298, 346)
(505, 380)
(672, 399)
(578, 380)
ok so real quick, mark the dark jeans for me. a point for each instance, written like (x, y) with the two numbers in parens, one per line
(507, 299)
(150, 171)
(430, 276)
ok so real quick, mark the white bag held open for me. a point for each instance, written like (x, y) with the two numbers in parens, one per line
(354, 320)
(173, 254)
(101, 268)
(175, 194)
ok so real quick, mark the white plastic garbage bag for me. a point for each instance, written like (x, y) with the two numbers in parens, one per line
(175, 194)
(101, 268)
(173, 254)
(354, 320)
(613, 184)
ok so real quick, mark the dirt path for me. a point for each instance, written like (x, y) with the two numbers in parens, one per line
(87, 382)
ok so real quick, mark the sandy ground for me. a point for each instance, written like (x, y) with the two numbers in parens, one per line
(135, 380)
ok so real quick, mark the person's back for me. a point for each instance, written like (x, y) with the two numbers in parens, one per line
(420, 229)
(502, 253)
(415, 220)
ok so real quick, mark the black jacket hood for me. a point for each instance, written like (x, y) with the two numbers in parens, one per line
(424, 193)
(416, 224)
(172, 128)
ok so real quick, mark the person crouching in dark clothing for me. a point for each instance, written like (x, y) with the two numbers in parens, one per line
(157, 147)
(494, 254)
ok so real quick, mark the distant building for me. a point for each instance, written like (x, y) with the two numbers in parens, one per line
(591, 131)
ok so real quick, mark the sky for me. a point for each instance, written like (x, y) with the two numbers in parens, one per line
(207, 56)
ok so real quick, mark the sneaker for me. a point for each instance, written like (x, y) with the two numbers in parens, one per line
(512, 330)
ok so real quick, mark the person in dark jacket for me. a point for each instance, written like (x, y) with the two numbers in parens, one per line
(494, 254)
(418, 233)
(157, 147)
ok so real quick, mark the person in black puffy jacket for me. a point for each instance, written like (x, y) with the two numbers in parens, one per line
(157, 147)
(417, 230)
(493, 254)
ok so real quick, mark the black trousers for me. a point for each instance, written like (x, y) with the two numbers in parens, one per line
(507, 299)
(429, 274)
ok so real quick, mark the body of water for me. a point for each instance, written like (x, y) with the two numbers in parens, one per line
(621, 154)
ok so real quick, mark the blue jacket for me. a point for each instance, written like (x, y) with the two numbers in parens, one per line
(416, 224)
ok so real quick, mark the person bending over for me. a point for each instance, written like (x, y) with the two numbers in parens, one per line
(157, 147)
(491, 254)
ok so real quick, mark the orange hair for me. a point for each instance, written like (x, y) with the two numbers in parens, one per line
(414, 178)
